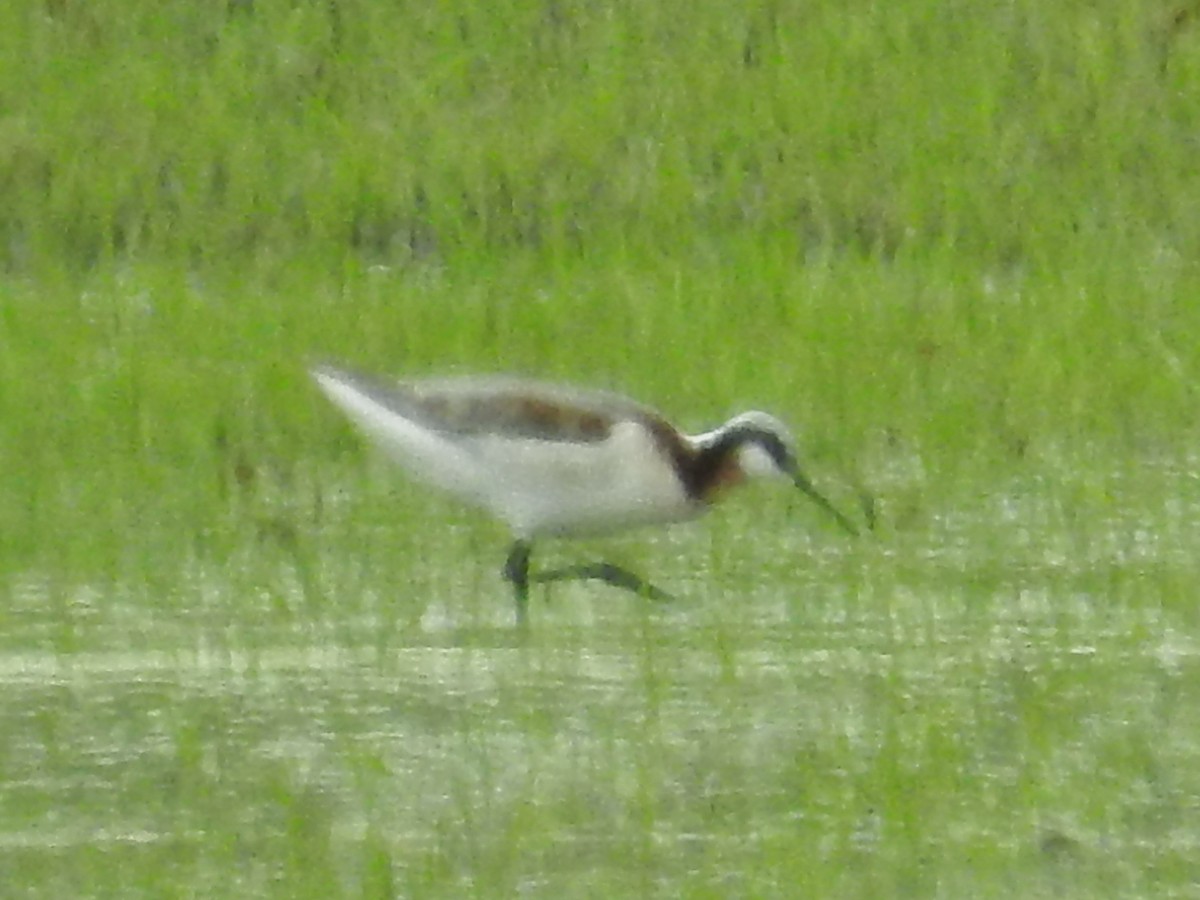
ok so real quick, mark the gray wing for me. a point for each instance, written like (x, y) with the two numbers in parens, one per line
(499, 405)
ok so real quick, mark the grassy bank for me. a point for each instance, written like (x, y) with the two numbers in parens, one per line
(1015, 135)
(980, 219)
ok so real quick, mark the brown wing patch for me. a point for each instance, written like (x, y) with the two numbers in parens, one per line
(515, 414)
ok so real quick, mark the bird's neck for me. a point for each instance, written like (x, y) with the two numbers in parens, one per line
(706, 464)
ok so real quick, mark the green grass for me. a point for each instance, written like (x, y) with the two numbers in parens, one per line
(954, 244)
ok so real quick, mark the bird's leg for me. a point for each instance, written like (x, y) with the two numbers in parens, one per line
(516, 570)
(604, 571)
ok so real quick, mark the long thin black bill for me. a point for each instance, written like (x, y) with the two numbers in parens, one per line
(805, 485)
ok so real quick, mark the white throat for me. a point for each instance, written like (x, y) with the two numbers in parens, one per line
(756, 462)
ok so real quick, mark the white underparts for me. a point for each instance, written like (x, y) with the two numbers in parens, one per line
(537, 486)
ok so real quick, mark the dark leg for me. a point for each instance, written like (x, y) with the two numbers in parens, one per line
(516, 570)
(603, 571)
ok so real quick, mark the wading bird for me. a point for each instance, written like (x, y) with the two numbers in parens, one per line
(550, 460)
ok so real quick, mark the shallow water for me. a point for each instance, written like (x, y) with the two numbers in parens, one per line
(998, 702)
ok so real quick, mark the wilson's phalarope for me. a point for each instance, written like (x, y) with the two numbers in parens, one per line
(557, 461)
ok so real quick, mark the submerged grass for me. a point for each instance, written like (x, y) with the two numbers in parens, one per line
(955, 243)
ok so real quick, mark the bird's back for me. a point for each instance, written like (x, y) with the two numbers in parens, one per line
(544, 458)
